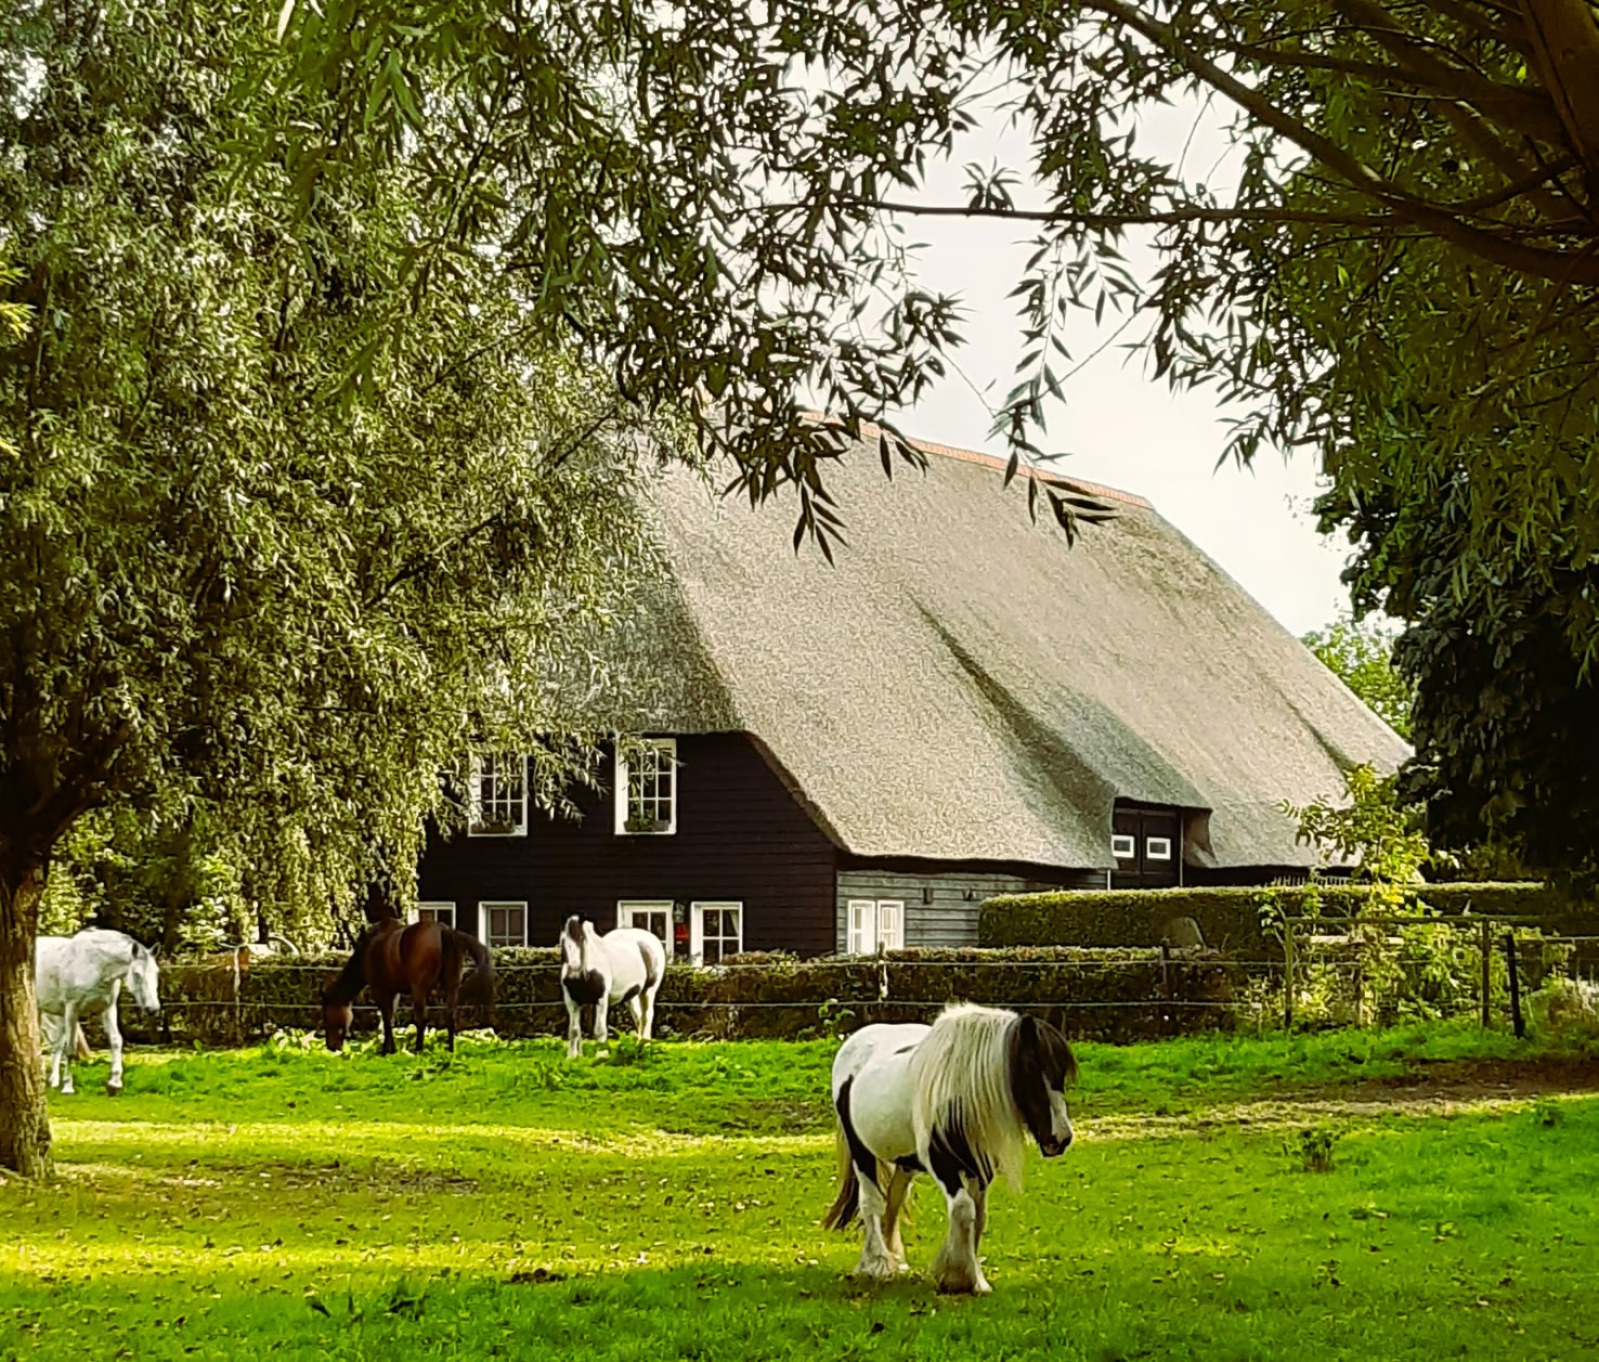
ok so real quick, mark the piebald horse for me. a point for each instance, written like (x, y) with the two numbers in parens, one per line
(623, 966)
(956, 1099)
(74, 975)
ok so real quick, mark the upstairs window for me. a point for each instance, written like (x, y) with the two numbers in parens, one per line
(646, 788)
(499, 796)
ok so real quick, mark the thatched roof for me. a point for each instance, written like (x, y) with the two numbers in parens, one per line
(962, 685)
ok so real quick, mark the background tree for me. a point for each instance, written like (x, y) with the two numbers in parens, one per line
(236, 594)
(1360, 653)
(1399, 273)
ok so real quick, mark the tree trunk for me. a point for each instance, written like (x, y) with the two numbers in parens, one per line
(24, 1117)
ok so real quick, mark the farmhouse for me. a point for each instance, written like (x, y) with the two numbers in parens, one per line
(838, 757)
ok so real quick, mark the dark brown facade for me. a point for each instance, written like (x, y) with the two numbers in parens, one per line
(741, 837)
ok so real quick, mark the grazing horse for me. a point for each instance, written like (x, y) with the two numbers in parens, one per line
(623, 966)
(956, 1099)
(391, 958)
(85, 973)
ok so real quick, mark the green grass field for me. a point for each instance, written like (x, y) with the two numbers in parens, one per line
(287, 1203)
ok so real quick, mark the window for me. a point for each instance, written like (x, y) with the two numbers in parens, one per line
(1157, 848)
(504, 924)
(1123, 848)
(499, 796)
(717, 931)
(874, 923)
(433, 912)
(654, 917)
(646, 788)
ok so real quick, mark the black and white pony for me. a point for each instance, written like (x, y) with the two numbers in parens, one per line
(956, 1099)
(623, 966)
(73, 975)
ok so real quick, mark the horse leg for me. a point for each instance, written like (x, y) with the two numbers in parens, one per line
(69, 1028)
(899, 1186)
(113, 1085)
(574, 1027)
(419, 1005)
(452, 1002)
(386, 1012)
(48, 1030)
(649, 1013)
(636, 1002)
(956, 1268)
(601, 1008)
(877, 1260)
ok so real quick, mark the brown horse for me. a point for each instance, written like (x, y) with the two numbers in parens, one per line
(391, 958)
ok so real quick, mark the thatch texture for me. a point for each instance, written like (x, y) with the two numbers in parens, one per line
(963, 686)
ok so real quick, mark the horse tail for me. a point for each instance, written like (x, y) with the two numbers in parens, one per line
(85, 1054)
(479, 985)
(848, 1201)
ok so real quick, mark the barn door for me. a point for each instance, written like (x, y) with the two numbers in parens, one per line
(1147, 843)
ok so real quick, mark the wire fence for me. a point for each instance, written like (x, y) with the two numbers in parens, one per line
(1329, 971)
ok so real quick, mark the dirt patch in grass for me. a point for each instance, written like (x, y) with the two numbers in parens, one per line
(334, 1178)
(1428, 1088)
(1478, 1080)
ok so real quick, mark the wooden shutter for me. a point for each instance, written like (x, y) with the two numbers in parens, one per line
(862, 927)
(891, 924)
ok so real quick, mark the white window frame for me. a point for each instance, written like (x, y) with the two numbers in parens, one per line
(1118, 840)
(1164, 843)
(433, 906)
(475, 822)
(625, 908)
(696, 931)
(864, 925)
(486, 923)
(664, 747)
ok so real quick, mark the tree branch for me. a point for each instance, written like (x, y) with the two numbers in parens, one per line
(1565, 40)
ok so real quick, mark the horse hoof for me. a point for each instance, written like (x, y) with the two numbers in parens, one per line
(113, 1089)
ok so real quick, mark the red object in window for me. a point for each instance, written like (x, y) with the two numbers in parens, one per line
(680, 935)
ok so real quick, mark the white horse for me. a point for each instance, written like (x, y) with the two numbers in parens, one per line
(956, 1099)
(623, 966)
(85, 973)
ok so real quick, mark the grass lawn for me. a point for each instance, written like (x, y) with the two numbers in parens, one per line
(284, 1202)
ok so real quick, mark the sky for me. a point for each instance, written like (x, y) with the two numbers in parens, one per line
(1117, 426)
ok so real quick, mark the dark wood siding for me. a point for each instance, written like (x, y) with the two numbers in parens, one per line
(740, 836)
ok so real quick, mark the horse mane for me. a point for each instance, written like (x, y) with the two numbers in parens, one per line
(961, 1078)
(352, 978)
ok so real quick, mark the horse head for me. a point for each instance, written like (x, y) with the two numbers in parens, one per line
(143, 978)
(1041, 1065)
(575, 945)
(336, 1019)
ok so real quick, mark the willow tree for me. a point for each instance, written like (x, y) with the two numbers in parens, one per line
(229, 579)
(1397, 271)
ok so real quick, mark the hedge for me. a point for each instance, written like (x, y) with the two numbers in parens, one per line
(1113, 994)
(1230, 918)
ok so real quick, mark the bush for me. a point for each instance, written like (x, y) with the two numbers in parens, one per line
(1231, 918)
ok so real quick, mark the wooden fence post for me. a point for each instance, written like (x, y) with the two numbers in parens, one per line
(1288, 975)
(1516, 1018)
(1165, 981)
(1486, 935)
